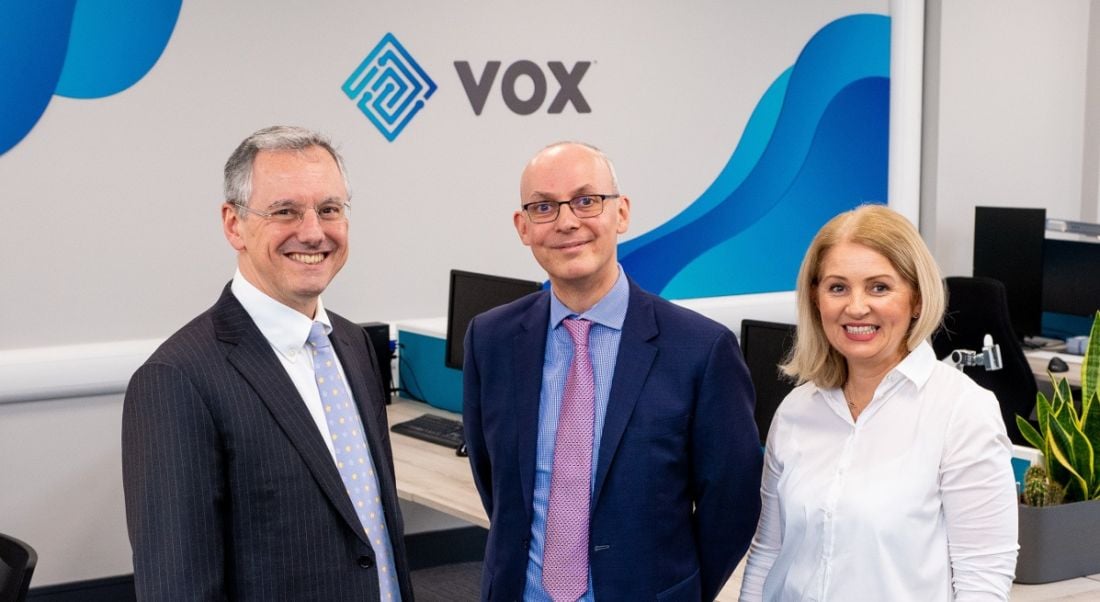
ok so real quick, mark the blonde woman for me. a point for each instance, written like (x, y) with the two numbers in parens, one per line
(887, 474)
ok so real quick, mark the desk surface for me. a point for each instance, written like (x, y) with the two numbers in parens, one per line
(432, 475)
(1038, 359)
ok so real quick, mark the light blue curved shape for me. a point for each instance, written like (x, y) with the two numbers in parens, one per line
(844, 51)
(34, 37)
(114, 43)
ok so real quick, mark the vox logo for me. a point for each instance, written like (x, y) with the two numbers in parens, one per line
(389, 87)
(568, 81)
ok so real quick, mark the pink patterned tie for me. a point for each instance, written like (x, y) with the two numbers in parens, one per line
(565, 556)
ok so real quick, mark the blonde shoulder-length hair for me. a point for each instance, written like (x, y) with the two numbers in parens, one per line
(885, 231)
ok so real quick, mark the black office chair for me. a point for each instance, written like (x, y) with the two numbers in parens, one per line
(977, 307)
(17, 561)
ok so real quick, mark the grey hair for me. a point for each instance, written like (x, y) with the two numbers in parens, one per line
(238, 169)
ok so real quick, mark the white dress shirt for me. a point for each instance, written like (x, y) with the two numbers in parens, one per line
(914, 501)
(286, 330)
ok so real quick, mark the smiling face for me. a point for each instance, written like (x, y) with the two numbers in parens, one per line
(579, 255)
(865, 307)
(291, 263)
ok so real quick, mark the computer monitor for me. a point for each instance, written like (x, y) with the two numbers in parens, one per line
(1071, 284)
(1009, 246)
(765, 345)
(471, 294)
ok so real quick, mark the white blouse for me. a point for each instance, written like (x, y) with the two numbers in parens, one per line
(915, 501)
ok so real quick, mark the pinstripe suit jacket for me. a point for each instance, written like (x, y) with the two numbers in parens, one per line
(231, 492)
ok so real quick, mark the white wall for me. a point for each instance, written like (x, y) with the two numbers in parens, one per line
(61, 475)
(1004, 115)
(129, 244)
(1090, 177)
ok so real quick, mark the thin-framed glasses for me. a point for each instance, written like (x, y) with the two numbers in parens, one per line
(329, 211)
(583, 206)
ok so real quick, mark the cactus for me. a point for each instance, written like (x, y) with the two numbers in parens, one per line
(1039, 490)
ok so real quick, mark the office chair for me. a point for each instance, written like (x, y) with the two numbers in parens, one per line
(976, 307)
(17, 560)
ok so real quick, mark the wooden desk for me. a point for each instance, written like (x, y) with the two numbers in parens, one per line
(432, 475)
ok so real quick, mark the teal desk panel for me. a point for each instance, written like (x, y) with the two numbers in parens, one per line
(423, 374)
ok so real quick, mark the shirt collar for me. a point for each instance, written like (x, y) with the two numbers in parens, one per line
(286, 329)
(917, 366)
(610, 311)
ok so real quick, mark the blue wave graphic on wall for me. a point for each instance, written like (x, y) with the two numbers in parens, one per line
(77, 49)
(815, 145)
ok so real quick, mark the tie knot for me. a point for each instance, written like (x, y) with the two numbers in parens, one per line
(578, 329)
(317, 336)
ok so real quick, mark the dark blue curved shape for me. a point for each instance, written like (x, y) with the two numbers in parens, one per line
(114, 43)
(845, 166)
(754, 140)
(34, 38)
(845, 51)
(74, 48)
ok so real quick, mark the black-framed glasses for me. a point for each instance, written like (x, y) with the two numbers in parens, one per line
(583, 206)
(329, 211)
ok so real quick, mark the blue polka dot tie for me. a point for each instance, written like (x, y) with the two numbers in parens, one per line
(353, 457)
(565, 557)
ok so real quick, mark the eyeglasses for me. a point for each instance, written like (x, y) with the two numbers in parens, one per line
(584, 206)
(330, 211)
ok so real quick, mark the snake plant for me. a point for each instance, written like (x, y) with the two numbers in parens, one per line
(1070, 437)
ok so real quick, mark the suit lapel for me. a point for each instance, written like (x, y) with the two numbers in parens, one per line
(253, 357)
(528, 349)
(632, 366)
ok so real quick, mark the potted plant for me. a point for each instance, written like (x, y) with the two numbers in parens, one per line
(1060, 509)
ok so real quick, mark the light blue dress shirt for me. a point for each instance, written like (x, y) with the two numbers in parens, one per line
(603, 342)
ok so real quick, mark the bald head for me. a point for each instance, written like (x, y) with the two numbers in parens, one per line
(568, 156)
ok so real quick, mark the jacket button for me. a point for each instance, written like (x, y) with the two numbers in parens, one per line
(526, 543)
(366, 562)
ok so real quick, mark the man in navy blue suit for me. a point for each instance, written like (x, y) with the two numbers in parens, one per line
(669, 452)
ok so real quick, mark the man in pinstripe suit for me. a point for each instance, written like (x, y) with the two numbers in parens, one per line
(234, 479)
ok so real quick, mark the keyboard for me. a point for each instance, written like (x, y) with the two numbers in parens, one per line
(432, 428)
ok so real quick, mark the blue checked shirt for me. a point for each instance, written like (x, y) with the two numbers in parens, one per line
(603, 342)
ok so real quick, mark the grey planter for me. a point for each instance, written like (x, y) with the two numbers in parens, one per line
(1059, 542)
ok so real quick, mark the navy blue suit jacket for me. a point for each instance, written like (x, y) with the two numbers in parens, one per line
(231, 492)
(676, 492)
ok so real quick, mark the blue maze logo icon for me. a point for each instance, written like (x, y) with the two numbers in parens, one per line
(391, 87)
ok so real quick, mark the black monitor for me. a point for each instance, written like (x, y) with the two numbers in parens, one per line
(472, 294)
(1071, 277)
(1009, 246)
(765, 345)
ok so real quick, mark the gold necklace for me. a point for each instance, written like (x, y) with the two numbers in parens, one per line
(851, 405)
